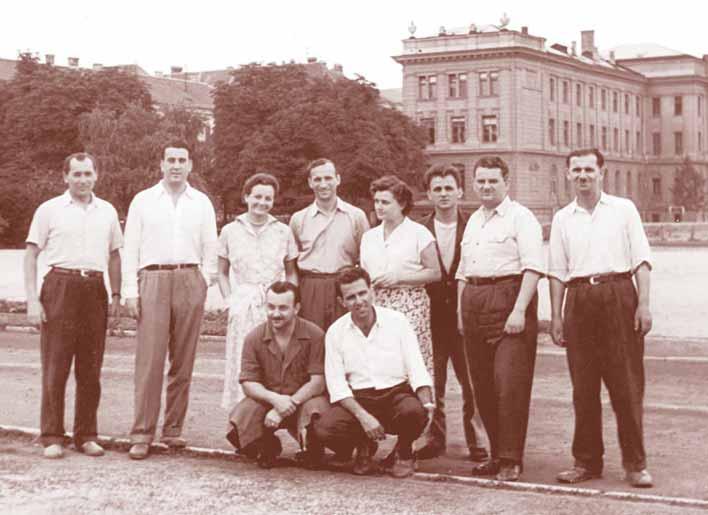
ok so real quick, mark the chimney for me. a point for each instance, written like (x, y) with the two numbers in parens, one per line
(175, 69)
(573, 50)
(97, 67)
(311, 60)
(525, 30)
(587, 43)
(49, 59)
(73, 62)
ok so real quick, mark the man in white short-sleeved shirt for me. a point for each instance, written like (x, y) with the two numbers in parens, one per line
(80, 236)
(597, 244)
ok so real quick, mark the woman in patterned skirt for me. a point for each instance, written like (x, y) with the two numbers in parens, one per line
(258, 250)
(400, 256)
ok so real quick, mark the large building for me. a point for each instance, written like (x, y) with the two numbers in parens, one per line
(491, 90)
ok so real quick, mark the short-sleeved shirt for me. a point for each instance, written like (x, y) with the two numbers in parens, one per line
(328, 242)
(73, 237)
(611, 239)
(399, 253)
(284, 373)
(509, 242)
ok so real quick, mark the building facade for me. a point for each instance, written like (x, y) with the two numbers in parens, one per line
(506, 92)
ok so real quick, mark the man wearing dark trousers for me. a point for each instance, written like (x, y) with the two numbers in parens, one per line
(501, 263)
(80, 236)
(376, 378)
(447, 223)
(597, 245)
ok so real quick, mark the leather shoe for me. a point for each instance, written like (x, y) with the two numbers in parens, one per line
(139, 451)
(639, 479)
(402, 468)
(174, 442)
(509, 472)
(429, 451)
(54, 451)
(488, 468)
(364, 460)
(479, 454)
(577, 474)
(92, 449)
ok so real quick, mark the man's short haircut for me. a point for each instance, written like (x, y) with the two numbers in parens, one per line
(443, 170)
(586, 152)
(177, 143)
(260, 178)
(491, 162)
(79, 156)
(399, 189)
(281, 287)
(351, 274)
(320, 162)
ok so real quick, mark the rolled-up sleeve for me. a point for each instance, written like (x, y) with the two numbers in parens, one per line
(529, 237)
(251, 369)
(557, 258)
(39, 228)
(335, 375)
(639, 249)
(415, 366)
(116, 233)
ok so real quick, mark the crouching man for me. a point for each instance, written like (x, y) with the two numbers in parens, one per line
(282, 377)
(376, 378)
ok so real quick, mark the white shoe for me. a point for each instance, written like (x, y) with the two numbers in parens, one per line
(92, 449)
(54, 451)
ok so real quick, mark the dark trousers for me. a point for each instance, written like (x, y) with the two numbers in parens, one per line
(603, 346)
(397, 409)
(501, 364)
(318, 295)
(76, 308)
(448, 345)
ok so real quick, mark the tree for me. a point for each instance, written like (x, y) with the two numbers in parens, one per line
(689, 188)
(278, 118)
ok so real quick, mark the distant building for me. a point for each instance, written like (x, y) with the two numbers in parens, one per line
(481, 91)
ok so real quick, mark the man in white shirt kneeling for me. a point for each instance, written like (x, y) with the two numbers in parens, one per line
(376, 378)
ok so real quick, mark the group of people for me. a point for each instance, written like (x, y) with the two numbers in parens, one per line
(341, 333)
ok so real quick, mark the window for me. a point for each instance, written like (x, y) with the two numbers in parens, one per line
(638, 107)
(603, 140)
(618, 185)
(678, 106)
(489, 129)
(678, 143)
(566, 133)
(656, 186)
(629, 183)
(626, 104)
(656, 143)
(457, 85)
(615, 139)
(700, 141)
(656, 106)
(639, 142)
(591, 97)
(429, 125)
(579, 134)
(615, 101)
(488, 84)
(458, 129)
(427, 87)
(566, 92)
(552, 131)
(578, 95)
(552, 89)
(592, 135)
(627, 148)
(603, 99)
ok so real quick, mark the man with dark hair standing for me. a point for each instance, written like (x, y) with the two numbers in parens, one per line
(328, 234)
(502, 261)
(80, 236)
(597, 244)
(282, 374)
(170, 260)
(447, 223)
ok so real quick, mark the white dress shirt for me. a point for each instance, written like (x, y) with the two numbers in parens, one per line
(70, 236)
(509, 242)
(388, 356)
(611, 239)
(158, 232)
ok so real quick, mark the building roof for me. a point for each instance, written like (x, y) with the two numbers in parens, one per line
(177, 92)
(643, 50)
(393, 96)
(7, 69)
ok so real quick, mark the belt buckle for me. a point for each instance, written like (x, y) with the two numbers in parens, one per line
(594, 279)
(83, 273)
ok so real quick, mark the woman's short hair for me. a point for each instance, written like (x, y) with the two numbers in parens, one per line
(260, 178)
(399, 189)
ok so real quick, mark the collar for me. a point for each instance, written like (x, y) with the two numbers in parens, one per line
(352, 325)
(161, 190)
(502, 209)
(67, 200)
(340, 206)
(300, 332)
(604, 199)
(243, 218)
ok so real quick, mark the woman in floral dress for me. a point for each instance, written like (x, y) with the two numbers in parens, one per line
(257, 250)
(401, 259)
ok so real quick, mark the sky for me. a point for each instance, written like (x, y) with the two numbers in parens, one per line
(360, 35)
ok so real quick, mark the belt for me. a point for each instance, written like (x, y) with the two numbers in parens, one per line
(73, 271)
(599, 279)
(152, 268)
(320, 275)
(482, 281)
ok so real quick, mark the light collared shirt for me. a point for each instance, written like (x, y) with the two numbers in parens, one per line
(399, 253)
(328, 242)
(73, 237)
(388, 356)
(509, 242)
(611, 239)
(158, 232)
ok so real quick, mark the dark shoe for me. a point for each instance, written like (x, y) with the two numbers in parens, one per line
(174, 442)
(364, 462)
(577, 474)
(312, 457)
(479, 454)
(509, 472)
(139, 451)
(488, 468)
(430, 451)
(270, 449)
(402, 468)
(639, 479)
